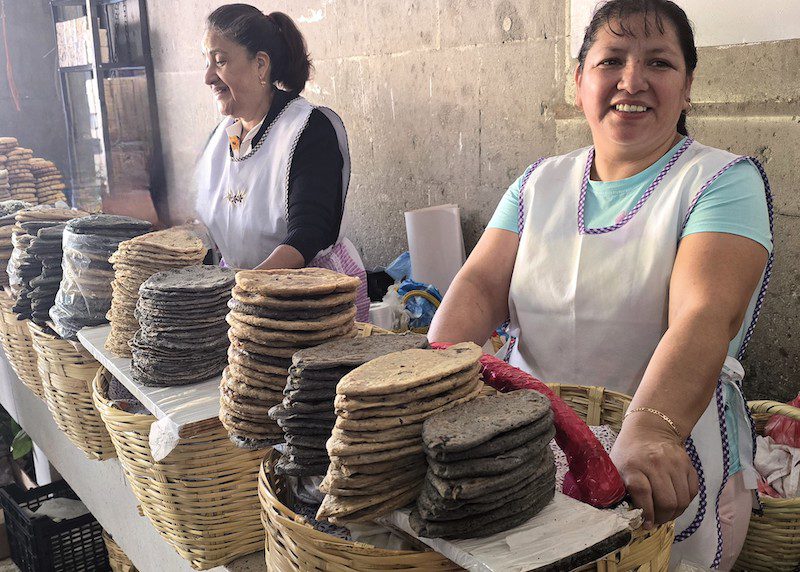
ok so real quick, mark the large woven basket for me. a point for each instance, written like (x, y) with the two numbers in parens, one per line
(295, 545)
(67, 371)
(16, 340)
(117, 559)
(648, 550)
(773, 538)
(202, 498)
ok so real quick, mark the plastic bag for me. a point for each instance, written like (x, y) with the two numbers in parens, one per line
(400, 268)
(420, 308)
(394, 301)
(84, 295)
(784, 430)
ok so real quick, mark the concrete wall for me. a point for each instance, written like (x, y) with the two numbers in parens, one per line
(39, 124)
(449, 101)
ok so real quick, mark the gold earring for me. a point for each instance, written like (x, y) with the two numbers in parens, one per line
(263, 82)
(689, 101)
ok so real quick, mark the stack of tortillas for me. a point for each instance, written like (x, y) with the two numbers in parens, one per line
(8, 210)
(20, 177)
(376, 459)
(23, 266)
(490, 466)
(5, 189)
(307, 411)
(135, 261)
(6, 145)
(275, 313)
(182, 336)
(84, 297)
(49, 182)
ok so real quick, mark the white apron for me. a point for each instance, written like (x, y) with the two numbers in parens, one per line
(244, 203)
(589, 306)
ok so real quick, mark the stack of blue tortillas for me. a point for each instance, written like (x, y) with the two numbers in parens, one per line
(306, 413)
(182, 336)
(84, 296)
(490, 467)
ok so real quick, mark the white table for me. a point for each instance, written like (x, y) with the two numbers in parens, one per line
(101, 485)
(181, 411)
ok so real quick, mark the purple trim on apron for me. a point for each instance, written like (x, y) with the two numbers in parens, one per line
(726, 465)
(767, 273)
(640, 203)
(339, 260)
(702, 493)
(521, 198)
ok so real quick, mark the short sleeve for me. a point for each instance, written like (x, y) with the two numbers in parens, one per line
(735, 203)
(506, 215)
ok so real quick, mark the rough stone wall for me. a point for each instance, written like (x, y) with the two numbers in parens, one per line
(449, 101)
(39, 124)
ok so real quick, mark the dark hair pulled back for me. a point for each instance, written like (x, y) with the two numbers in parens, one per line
(614, 15)
(274, 34)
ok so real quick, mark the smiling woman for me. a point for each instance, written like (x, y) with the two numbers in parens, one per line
(638, 264)
(273, 178)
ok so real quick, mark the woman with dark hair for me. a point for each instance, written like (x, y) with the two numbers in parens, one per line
(272, 180)
(638, 264)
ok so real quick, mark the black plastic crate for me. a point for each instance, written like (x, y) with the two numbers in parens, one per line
(38, 544)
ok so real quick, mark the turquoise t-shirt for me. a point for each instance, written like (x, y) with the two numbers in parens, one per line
(735, 203)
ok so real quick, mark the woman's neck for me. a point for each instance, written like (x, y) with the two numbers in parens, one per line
(617, 165)
(258, 114)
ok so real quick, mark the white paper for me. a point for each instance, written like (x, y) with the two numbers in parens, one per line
(565, 527)
(436, 244)
(164, 437)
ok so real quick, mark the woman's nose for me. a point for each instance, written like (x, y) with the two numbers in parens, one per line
(210, 74)
(633, 79)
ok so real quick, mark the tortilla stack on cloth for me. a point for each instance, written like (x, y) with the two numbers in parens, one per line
(49, 181)
(273, 314)
(490, 467)
(381, 407)
(22, 183)
(310, 391)
(182, 336)
(84, 296)
(8, 210)
(135, 261)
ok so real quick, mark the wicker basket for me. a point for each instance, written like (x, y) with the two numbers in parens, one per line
(773, 538)
(649, 549)
(294, 545)
(67, 371)
(202, 498)
(117, 559)
(16, 339)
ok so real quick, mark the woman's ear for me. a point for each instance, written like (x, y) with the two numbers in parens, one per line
(687, 93)
(263, 67)
(578, 77)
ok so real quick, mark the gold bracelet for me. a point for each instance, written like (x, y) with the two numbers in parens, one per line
(660, 414)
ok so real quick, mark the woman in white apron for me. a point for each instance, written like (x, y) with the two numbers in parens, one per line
(272, 180)
(638, 264)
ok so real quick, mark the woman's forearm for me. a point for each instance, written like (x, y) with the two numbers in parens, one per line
(284, 256)
(683, 372)
(467, 313)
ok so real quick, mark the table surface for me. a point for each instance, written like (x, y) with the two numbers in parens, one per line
(191, 408)
(101, 485)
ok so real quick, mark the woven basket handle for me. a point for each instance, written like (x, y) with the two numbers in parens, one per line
(774, 408)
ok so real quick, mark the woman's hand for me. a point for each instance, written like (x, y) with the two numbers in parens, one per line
(655, 468)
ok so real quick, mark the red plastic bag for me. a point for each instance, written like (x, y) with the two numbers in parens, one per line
(592, 477)
(784, 430)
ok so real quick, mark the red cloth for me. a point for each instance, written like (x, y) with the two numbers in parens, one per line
(784, 430)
